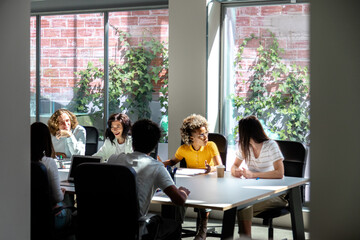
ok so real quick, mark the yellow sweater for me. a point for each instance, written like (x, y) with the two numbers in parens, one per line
(196, 159)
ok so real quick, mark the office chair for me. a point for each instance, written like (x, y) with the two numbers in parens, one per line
(294, 166)
(92, 140)
(42, 219)
(42, 212)
(107, 202)
(221, 143)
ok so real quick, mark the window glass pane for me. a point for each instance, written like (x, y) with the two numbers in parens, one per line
(266, 44)
(138, 63)
(266, 70)
(68, 44)
(138, 66)
(32, 69)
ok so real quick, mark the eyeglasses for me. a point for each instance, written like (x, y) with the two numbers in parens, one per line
(203, 135)
(115, 127)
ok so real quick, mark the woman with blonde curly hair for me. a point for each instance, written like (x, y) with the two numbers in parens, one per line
(67, 136)
(198, 152)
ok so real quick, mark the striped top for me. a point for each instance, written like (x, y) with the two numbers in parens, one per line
(269, 153)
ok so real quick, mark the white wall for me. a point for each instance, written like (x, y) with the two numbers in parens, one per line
(335, 120)
(187, 64)
(213, 71)
(15, 119)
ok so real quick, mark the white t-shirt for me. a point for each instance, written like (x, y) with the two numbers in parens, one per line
(151, 174)
(54, 181)
(270, 152)
(108, 148)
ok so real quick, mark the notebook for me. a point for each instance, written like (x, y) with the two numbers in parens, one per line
(75, 161)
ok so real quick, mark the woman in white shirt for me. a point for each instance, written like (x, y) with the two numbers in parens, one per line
(42, 151)
(67, 136)
(264, 160)
(117, 138)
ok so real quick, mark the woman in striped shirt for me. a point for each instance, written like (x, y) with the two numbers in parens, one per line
(263, 159)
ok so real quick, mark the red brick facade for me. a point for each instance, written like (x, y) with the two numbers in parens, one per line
(69, 42)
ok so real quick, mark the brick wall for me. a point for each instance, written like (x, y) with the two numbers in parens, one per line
(289, 23)
(69, 42)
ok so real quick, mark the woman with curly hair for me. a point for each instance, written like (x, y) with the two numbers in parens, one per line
(198, 152)
(67, 136)
(117, 138)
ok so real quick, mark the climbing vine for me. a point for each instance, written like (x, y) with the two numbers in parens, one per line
(131, 80)
(285, 109)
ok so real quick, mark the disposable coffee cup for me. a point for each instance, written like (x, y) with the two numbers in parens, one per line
(220, 171)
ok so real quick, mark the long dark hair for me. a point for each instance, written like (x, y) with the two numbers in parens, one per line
(41, 144)
(250, 127)
(125, 122)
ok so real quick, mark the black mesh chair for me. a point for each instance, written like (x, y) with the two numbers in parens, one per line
(107, 205)
(294, 166)
(42, 212)
(42, 219)
(154, 152)
(92, 140)
(221, 143)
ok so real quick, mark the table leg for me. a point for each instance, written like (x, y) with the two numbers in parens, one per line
(228, 224)
(297, 221)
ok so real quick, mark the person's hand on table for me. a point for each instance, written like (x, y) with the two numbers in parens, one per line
(237, 172)
(247, 173)
(60, 155)
(207, 167)
(185, 190)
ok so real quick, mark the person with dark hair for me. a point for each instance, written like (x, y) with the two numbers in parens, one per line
(263, 159)
(198, 152)
(117, 138)
(151, 174)
(42, 151)
(67, 136)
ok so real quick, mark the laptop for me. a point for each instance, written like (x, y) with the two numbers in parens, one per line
(75, 161)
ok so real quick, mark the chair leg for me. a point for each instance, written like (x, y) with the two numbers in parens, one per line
(271, 229)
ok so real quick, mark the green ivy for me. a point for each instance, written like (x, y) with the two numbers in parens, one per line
(131, 82)
(284, 110)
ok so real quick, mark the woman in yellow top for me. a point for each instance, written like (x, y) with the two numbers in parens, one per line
(198, 153)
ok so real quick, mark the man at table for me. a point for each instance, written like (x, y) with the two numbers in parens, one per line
(151, 174)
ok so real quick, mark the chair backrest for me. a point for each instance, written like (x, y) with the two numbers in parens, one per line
(294, 157)
(154, 152)
(221, 143)
(294, 160)
(92, 140)
(42, 218)
(107, 203)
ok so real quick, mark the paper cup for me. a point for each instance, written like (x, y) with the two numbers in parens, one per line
(220, 169)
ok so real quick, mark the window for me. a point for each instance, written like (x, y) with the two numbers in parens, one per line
(72, 65)
(266, 70)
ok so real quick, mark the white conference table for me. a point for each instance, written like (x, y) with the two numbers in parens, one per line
(229, 193)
